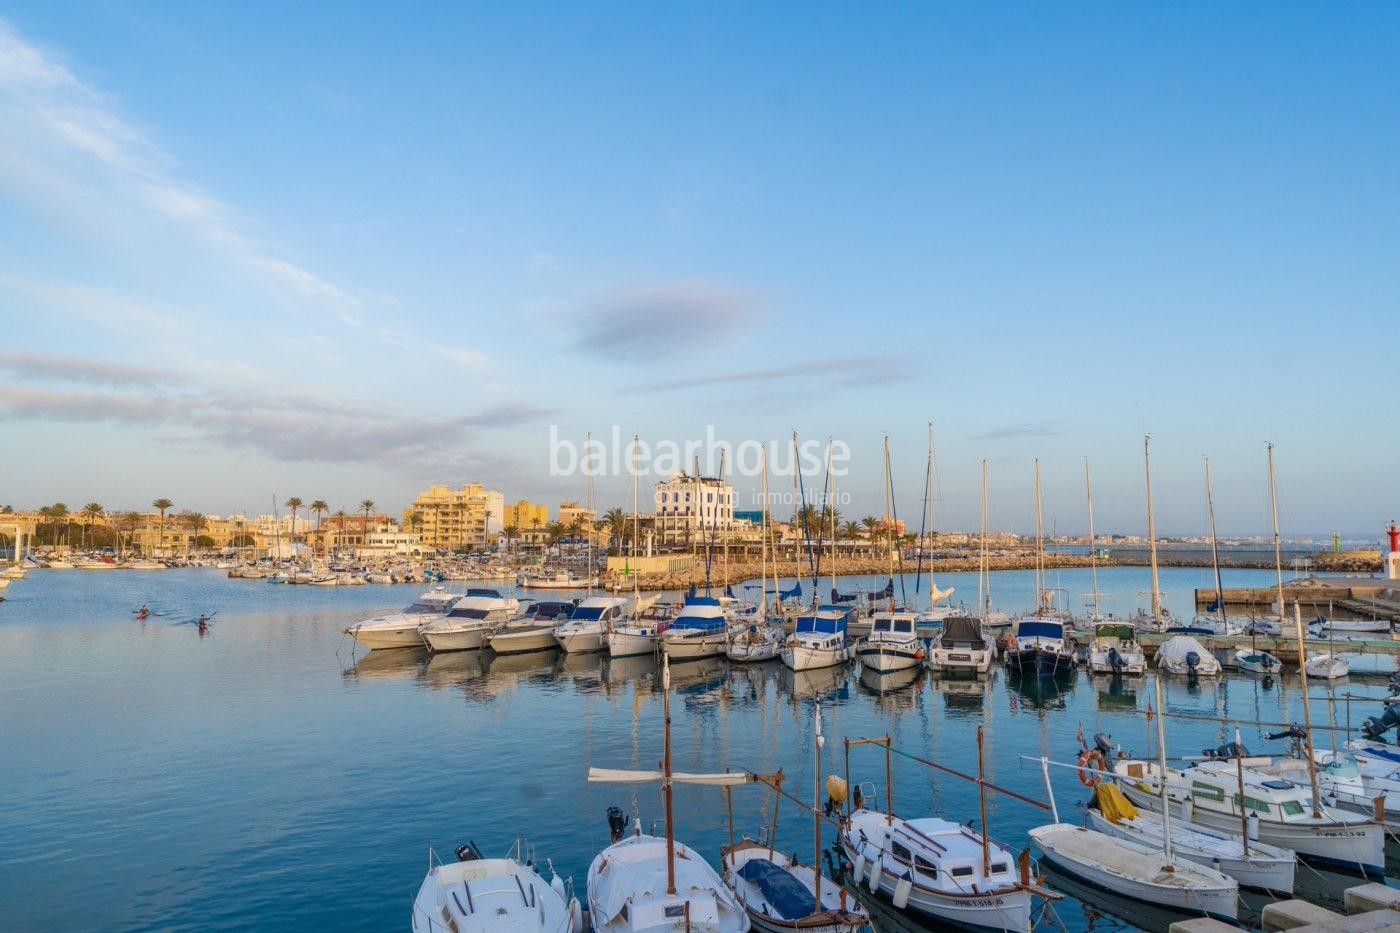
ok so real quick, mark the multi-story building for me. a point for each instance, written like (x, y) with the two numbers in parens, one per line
(571, 513)
(525, 516)
(689, 507)
(456, 519)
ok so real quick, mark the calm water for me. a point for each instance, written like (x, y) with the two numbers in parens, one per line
(262, 776)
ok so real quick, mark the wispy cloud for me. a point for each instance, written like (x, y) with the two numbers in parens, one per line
(55, 367)
(849, 371)
(659, 320)
(1026, 429)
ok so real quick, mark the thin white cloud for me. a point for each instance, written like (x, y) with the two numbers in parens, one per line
(658, 320)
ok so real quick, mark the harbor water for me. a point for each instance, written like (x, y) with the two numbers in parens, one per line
(266, 775)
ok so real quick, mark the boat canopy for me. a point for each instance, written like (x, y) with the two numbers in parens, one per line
(1114, 630)
(483, 591)
(1038, 628)
(823, 623)
(788, 898)
(962, 631)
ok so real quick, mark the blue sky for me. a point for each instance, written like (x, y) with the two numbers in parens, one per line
(329, 251)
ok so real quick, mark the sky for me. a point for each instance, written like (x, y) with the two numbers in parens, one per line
(339, 251)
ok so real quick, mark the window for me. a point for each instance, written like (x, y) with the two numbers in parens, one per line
(924, 866)
(1253, 803)
(1206, 792)
(962, 871)
(1292, 808)
(901, 854)
(998, 868)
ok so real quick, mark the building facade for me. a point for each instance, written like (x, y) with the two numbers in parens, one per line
(571, 513)
(525, 516)
(688, 508)
(456, 519)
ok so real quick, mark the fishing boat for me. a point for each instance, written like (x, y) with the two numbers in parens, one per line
(962, 646)
(1254, 865)
(1182, 654)
(1115, 650)
(590, 622)
(1040, 647)
(820, 640)
(1352, 626)
(779, 893)
(759, 641)
(1138, 871)
(480, 895)
(1280, 812)
(1327, 666)
(404, 629)
(699, 631)
(468, 623)
(1256, 661)
(642, 883)
(893, 643)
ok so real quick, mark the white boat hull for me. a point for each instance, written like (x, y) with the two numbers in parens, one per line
(456, 640)
(747, 652)
(580, 640)
(376, 637)
(800, 657)
(886, 659)
(1130, 663)
(1137, 872)
(1268, 868)
(628, 644)
(695, 648)
(508, 642)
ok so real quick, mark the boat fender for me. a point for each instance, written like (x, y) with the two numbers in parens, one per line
(872, 878)
(1091, 776)
(902, 890)
(858, 868)
(557, 885)
(576, 914)
(1252, 827)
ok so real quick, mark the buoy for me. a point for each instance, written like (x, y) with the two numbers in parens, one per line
(901, 892)
(858, 868)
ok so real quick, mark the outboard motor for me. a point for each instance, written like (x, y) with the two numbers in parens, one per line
(1104, 743)
(1115, 660)
(1193, 661)
(1375, 727)
(617, 823)
(1292, 732)
(1229, 750)
(469, 853)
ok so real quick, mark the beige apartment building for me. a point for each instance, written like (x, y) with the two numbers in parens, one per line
(456, 519)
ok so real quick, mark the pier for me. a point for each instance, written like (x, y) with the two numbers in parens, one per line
(1363, 597)
(1283, 647)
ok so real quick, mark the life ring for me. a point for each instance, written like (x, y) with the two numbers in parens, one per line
(1091, 777)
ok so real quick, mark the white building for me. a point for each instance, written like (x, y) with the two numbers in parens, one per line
(391, 543)
(689, 508)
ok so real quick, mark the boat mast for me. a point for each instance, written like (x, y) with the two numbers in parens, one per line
(1039, 544)
(588, 505)
(666, 778)
(889, 517)
(982, 803)
(1152, 533)
(1278, 542)
(984, 580)
(1215, 549)
(801, 526)
(1162, 765)
(636, 525)
(831, 504)
(816, 810)
(763, 551)
(1093, 547)
(1239, 776)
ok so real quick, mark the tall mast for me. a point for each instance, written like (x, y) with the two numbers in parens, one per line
(1152, 533)
(1039, 544)
(1278, 542)
(889, 515)
(801, 525)
(982, 804)
(816, 811)
(984, 588)
(831, 504)
(666, 778)
(1093, 546)
(636, 531)
(763, 552)
(1214, 547)
(588, 505)
(1162, 765)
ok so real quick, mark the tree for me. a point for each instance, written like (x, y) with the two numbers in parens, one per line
(616, 521)
(320, 508)
(162, 506)
(58, 514)
(851, 530)
(294, 503)
(366, 506)
(128, 522)
(339, 527)
(511, 533)
(553, 532)
(91, 513)
(196, 523)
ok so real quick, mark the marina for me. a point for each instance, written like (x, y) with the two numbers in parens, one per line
(395, 750)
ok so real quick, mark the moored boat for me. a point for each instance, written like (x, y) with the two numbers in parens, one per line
(588, 625)
(404, 629)
(962, 647)
(481, 895)
(699, 631)
(819, 640)
(893, 643)
(779, 893)
(1115, 650)
(467, 624)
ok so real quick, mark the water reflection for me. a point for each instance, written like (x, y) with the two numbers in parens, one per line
(1040, 693)
(400, 663)
(828, 683)
(1116, 692)
(964, 696)
(1098, 909)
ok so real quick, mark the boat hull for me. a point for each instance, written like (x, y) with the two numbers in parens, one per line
(1039, 662)
(801, 657)
(996, 910)
(745, 652)
(695, 648)
(469, 640)
(630, 644)
(885, 658)
(580, 640)
(508, 642)
(377, 638)
(1263, 871)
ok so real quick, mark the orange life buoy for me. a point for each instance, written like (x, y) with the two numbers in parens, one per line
(1091, 777)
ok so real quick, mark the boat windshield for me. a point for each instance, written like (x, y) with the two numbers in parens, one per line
(822, 625)
(1343, 768)
(587, 613)
(880, 625)
(423, 608)
(466, 613)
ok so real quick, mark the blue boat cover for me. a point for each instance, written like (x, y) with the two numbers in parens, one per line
(789, 594)
(1030, 629)
(838, 597)
(788, 898)
(824, 625)
(587, 613)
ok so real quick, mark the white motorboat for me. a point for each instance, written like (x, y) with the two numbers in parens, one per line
(1182, 654)
(962, 646)
(562, 580)
(1138, 871)
(13, 573)
(1115, 650)
(820, 640)
(1206, 794)
(1259, 865)
(93, 564)
(588, 625)
(627, 890)
(1352, 626)
(379, 577)
(758, 641)
(1328, 666)
(404, 629)
(58, 563)
(700, 631)
(643, 634)
(935, 868)
(1256, 661)
(466, 626)
(483, 895)
(893, 643)
(780, 894)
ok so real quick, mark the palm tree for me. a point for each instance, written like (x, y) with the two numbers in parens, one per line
(162, 505)
(511, 533)
(129, 521)
(366, 506)
(294, 503)
(91, 513)
(339, 528)
(196, 523)
(553, 532)
(319, 507)
(616, 520)
(851, 529)
(58, 514)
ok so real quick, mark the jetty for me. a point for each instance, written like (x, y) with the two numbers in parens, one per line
(1283, 647)
(1354, 597)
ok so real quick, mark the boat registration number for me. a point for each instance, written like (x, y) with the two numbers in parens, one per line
(959, 657)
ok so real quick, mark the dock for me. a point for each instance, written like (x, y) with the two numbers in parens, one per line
(1363, 597)
(1285, 648)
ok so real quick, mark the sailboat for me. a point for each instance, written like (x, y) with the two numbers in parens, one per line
(646, 883)
(940, 606)
(1040, 645)
(781, 894)
(759, 640)
(1158, 620)
(1153, 874)
(701, 629)
(641, 635)
(964, 644)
